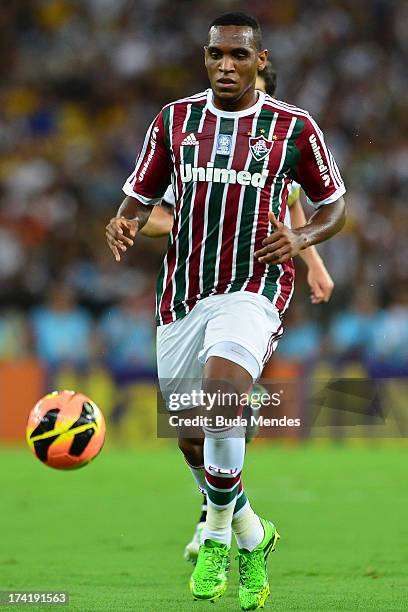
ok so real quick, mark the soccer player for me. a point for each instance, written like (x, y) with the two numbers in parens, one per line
(321, 285)
(231, 153)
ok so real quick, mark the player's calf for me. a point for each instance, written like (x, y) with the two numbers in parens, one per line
(192, 449)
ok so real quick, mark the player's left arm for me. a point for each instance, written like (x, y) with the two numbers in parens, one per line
(160, 222)
(316, 171)
(284, 243)
(319, 280)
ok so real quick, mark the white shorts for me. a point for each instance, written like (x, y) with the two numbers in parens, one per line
(242, 327)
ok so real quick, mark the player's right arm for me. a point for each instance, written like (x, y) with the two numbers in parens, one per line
(121, 231)
(144, 189)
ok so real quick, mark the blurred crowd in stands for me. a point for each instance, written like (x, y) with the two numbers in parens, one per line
(81, 81)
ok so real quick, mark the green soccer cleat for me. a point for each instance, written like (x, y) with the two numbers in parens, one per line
(253, 578)
(209, 578)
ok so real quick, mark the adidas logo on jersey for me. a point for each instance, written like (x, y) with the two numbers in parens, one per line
(190, 140)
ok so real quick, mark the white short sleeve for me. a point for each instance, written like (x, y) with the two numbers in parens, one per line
(169, 197)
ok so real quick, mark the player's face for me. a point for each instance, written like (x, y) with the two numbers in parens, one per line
(232, 63)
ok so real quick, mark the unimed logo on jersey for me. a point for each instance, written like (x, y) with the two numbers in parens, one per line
(323, 169)
(209, 174)
(153, 143)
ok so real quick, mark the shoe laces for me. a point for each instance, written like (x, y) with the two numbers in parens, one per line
(212, 559)
(251, 568)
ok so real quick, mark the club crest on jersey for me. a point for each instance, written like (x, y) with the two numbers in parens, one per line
(224, 143)
(260, 147)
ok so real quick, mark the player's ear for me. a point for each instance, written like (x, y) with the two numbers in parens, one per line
(262, 59)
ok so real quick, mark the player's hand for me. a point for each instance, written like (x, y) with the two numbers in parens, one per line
(281, 245)
(120, 234)
(320, 282)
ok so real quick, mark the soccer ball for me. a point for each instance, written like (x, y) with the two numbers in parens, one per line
(65, 430)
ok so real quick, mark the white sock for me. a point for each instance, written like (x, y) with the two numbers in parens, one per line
(223, 460)
(247, 528)
(218, 524)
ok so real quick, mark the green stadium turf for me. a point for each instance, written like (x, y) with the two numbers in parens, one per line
(112, 534)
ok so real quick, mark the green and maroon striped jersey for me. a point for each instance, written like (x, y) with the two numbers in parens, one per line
(228, 169)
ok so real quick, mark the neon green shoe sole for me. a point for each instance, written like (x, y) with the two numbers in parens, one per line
(254, 585)
(206, 597)
(210, 576)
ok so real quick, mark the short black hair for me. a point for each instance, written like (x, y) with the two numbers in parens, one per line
(268, 74)
(240, 19)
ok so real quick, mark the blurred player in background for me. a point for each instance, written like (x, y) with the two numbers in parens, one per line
(231, 153)
(321, 285)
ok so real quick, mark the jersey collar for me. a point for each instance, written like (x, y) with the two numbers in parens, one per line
(230, 114)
